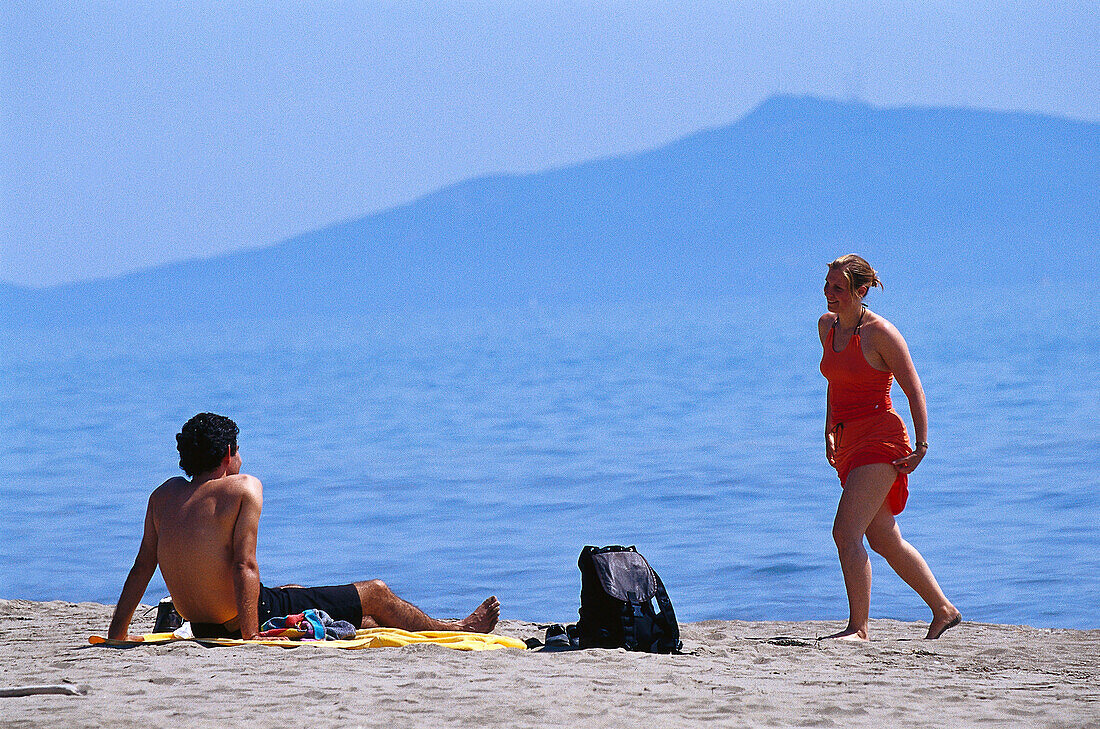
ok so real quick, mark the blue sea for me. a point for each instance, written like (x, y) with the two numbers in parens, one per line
(465, 454)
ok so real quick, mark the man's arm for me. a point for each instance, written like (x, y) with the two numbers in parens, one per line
(246, 572)
(145, 564)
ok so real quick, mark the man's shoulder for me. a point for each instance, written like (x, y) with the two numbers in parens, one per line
(243, 484)
(175, 482)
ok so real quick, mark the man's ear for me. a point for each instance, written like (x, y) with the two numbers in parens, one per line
(228, 455)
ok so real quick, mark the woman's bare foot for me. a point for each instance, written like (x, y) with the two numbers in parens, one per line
(484, 619)
(943, 622)
(849, 633)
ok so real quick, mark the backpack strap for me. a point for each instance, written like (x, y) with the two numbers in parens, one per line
(630, 635)
(667, 617)
(664, 602)
(668, 635)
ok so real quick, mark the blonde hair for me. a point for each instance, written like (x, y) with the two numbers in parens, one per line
(857, 271)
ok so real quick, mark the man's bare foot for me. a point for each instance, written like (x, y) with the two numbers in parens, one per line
(852, 634)
(943, 622)
(484, 619)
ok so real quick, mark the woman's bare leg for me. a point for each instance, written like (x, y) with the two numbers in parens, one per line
(884, 536)
(864, 494)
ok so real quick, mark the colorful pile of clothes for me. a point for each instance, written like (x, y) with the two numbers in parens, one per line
(310, 625)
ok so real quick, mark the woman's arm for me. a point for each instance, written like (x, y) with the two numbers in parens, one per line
(891, 346)
(823, 326)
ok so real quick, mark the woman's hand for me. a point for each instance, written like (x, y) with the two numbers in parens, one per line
(909, 463)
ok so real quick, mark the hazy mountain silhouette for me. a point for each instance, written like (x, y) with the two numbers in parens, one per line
(963, 195)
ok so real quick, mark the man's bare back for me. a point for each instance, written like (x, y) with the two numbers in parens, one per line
(202, 534)
(197, 527)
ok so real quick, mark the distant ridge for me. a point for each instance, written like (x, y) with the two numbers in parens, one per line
(987, 197)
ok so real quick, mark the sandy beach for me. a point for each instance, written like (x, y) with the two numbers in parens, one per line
(733, 673)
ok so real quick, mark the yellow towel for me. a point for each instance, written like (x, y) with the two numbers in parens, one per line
(366, 638)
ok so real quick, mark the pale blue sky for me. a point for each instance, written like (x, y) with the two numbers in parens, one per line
(133, 136)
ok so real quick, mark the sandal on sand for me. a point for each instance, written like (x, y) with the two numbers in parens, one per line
(558, 638)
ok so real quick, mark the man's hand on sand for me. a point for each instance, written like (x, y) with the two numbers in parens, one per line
(127, 639)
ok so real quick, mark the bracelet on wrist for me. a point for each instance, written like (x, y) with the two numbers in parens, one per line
(922, 443)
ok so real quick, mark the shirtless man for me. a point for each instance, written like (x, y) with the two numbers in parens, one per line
(202, 534)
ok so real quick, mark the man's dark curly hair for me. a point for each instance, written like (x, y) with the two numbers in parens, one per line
(203, 441)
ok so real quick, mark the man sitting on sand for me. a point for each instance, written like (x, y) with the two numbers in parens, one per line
(202, 534)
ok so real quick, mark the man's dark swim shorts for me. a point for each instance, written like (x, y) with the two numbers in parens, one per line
(339, 601)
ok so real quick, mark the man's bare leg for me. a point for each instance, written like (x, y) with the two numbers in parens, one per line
(864, 494)
(884, 536)
(382, 608)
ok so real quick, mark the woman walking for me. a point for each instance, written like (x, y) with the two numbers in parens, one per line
(866, 441)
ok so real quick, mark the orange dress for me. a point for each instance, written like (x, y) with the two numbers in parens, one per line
(866, 428)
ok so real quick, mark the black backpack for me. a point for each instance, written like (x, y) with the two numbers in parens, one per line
(618, 588)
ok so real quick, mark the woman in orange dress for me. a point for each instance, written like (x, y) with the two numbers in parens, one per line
(866, 441)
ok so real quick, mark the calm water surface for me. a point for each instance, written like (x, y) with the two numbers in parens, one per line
(458, 456)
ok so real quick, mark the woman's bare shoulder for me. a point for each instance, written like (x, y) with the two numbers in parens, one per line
(878, 322)
(881, 332)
